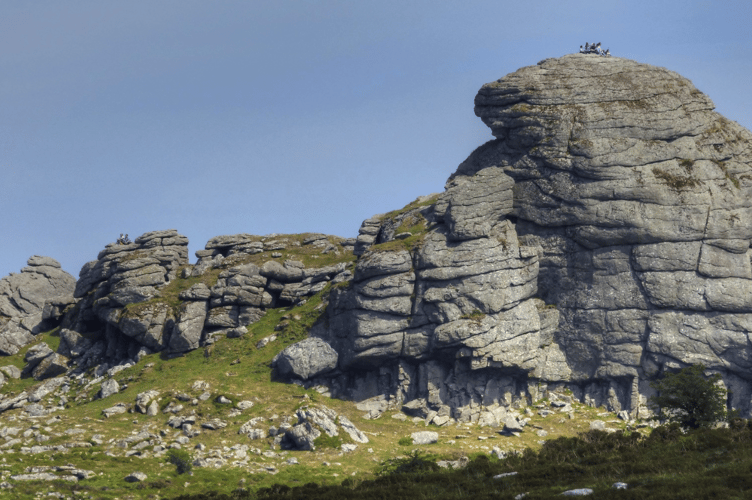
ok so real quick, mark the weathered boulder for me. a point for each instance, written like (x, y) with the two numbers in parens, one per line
(136, 477)
(312, 422)
(424, 437)
(306, 359)
(24, 297)
(186, 333)
(72, 344)
(109, 387)
(53, 365)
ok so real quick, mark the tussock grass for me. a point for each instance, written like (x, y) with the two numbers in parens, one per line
(666, 464)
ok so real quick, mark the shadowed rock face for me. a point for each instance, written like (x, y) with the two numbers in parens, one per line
(601, 238)
(25, 297)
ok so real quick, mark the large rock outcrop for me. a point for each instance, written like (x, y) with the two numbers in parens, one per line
(602, 238)
(31, 301)
(250, 283)
(115, 291)
(135, 299)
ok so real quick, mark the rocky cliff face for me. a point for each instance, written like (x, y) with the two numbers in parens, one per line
(602, 238)
(31, 301)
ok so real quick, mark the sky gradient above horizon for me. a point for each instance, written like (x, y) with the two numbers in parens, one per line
(256, 117)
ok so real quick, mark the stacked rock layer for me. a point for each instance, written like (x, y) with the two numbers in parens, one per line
(601, 239)
(31, 300)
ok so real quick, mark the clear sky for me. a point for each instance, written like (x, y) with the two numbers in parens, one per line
(225, 117)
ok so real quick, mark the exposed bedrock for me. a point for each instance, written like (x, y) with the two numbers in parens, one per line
(145, 297)
(602, 238)
(32, 301)
(116, 311)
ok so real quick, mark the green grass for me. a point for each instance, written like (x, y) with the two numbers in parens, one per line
(417, 203)
(667, 464)
(475, 316)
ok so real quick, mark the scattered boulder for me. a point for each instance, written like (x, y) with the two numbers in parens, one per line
(307, 359)
(512, 425)
(424, 437)
(244, 405)
(51, 366)
(214, 424)
(136, 477)
(144, 399)
(579, 492)
(598, 425)
(11, 371)
(354, 433)
(109, 387)
(115, 410)
(312, 422)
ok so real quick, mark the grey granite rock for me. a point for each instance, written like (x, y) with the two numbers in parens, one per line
(72, 344)
(186, 333)
(136, 477)
(602, 238)
(11, 371)
(424, 437)
(24, 297)
(307, 359)
(109, 387)
(301, 437)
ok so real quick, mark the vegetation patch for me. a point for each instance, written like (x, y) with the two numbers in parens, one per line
(731, 177)
(414, 225)
(419, 202)
(687, 164)
(181, 459)
(675, 182)
(475, 316)
(327, 441)
(690, 399)
(668, 464)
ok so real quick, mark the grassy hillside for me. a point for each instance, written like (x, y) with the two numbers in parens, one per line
(236, 369)
(668, 464)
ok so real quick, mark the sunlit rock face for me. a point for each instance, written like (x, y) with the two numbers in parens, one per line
(602, 238)
(31, 301)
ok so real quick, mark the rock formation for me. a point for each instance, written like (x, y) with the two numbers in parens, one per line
(602, 238)
(117, 312)
(135, 299)
(32, 301)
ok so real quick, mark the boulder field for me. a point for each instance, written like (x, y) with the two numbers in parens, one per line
(601, 239)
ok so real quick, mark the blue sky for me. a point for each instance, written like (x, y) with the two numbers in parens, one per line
(229, 117)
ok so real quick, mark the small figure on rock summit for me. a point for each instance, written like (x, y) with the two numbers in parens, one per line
(123, 240)
(595, 48)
